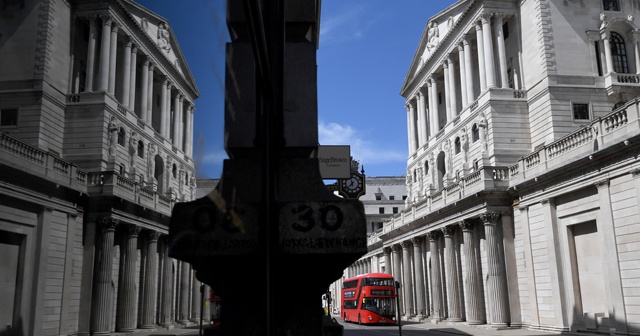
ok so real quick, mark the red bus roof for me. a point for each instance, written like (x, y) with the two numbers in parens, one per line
(370, 275)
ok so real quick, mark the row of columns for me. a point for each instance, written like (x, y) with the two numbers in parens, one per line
(175, 124)
(422, 109)
(448, 297)
(156, 295)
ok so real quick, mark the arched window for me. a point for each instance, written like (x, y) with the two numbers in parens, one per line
(121, 135)
(618, 53)
(141, 149)
(457, 145)
(475, 133)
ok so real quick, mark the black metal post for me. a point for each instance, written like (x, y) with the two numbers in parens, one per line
(398, 308)
(201, 306)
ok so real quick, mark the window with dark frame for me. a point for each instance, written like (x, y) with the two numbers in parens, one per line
(141, 149)
(395, 210)
(475, 133)
(618, 53)
(378, 197)
(580, 111)
(404, 197)
(381, 210)
(457, 145)
(8, 117)
(391, 198)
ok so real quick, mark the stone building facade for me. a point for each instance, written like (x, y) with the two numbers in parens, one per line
(522, 177)
(96, 119)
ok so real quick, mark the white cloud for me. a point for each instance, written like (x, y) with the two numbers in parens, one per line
(343, 26)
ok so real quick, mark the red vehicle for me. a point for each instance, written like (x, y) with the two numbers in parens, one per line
(369, 299)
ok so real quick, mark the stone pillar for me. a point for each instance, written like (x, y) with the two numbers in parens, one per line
(463, 74)
(167, 104)
(126, 311)
(452, 96)
(91, 53)
(126, 75)
(425, 113)
(112, 57)
(411, 128)
(433, 109)
(496, 281)
(468, 70)
(502, 55)
(176, 120)
(196, 298)
(189, 147)
(185, 272)
(397, 275)
(150, 95)
(408, 279)
(420, 118)
(102, 301)
(144, 92)
(181, 123)
(105, 51)
(447, 92)
(387, 260)
(132, 76)
(206, 310)
(166, 293)
(163, 109)
(436, 285)
(421, 310)
(475, 306)
(636, 49)
(453, 287)
(488, 49)
(606, 34)
(481, 67)
(150, 280)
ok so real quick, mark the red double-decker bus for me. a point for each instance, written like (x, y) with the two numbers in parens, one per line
(369, 298)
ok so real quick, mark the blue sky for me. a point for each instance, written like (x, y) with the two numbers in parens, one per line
(366, 47)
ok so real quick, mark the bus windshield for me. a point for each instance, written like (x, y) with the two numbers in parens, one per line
(380, 306)
(378, 282)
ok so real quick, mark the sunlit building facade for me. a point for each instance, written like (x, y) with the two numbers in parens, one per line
(96, 119)
(522, 178)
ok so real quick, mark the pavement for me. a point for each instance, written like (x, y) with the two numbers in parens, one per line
(444, 327)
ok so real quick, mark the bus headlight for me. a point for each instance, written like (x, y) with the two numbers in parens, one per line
(370, 318)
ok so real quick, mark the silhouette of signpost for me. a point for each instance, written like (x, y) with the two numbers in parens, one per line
(271, 237)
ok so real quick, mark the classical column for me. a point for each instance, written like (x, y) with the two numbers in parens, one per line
(206, 310)
(102, 301)
(488, 49)
(387, 260)
(167, 104)
(112, 57)
(397, 275)
(126, 75)
(496, 281)
(181, 123)
(408, 279)
(126, 316)
(150, 280)
(447, 92)
(481, 67)
(176, 120)
(189, 139)
(163, 108)
(606, 34)
(144, 91)
(150, 95)
(185, 272)
(425, 113)
(132, 85)
(463, 74)
(421, 310)
(433, 109)
(166, 293)
(468, 70)
(411, 128)
(636, 49)
(475, 307)
(436, 285)
(91, 53)
(453, 287)
(452, 96)
(420, 117)
(502, 55)
(195, 298)
(105, 51)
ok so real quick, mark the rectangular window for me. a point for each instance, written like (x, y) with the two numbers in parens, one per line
(580, 111)
(404, 197)
(391, 198)
(9, 117)
(381, 210)
(378, 197)
(395, 210)
(611, 5)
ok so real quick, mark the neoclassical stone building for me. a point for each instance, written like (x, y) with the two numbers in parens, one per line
(522, 178)
(96, 119)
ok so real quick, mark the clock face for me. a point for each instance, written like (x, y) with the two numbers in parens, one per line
(352, 185)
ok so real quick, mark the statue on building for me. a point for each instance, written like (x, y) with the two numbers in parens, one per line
(432, 35)
(151, 163)
(464, 146)
(432, 169)
(482, 126)
(163, 37)
(420, 179)
(113, 129)
(448, 157)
